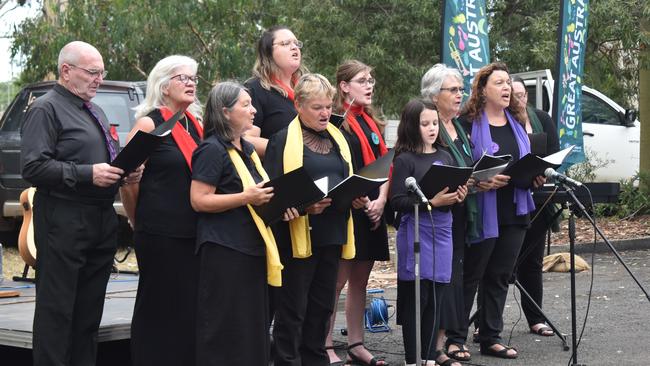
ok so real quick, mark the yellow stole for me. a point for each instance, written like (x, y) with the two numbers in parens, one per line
(273, 265)
(292, 158)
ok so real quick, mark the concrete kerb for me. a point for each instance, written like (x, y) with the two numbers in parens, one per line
(601, 247)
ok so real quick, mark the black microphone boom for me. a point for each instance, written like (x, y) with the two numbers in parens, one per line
(412, 185)
(551, 173)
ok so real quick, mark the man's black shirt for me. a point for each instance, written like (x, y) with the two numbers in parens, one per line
(60, 144)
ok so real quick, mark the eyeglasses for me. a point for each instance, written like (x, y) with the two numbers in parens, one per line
(455, 89)
(185, 79)
(364, 82)
(288, 43)
(520, 95)
(92, 72)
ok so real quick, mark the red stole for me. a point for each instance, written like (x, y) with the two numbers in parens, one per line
(286, 88)
(366, 150)
(182, 137)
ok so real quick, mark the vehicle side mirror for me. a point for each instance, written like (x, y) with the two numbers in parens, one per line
(630, 116)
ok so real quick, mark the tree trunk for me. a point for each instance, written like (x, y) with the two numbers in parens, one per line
(644, 102)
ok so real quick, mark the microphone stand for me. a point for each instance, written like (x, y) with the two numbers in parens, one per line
(416, 268)
(576, 206)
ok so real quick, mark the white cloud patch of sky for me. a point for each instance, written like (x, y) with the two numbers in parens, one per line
(12, 15)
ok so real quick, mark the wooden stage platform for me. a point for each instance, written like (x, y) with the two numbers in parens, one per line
(17, 313)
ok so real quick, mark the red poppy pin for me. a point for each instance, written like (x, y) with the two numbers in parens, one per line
(113, 131)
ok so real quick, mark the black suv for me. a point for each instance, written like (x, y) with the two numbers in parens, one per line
(117, 99)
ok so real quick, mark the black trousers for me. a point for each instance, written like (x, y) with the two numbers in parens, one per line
(232, 315)
(303, 307)
(429, 310)
(163, 328)
(529, 269)
(490, 264)
(75, 243)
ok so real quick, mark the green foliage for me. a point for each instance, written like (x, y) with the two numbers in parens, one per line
(586, 171)
(634, 199)
(400, 38)
(7, 92)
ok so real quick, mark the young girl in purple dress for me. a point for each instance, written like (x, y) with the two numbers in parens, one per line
(416, 150)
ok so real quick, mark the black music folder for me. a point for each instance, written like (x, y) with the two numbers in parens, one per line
(524, 170)
(297, 189)
(440, 176)
(538, 143)
(379, 168)
(352, 187)
(143, 144)
(294, 189)
(337, 119)
(488, 166)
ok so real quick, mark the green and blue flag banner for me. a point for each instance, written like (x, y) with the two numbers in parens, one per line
(465, 42)
(567, 109)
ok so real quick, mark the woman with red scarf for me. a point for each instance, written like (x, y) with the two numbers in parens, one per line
(276, 71)
(164, 222)
(361, 128)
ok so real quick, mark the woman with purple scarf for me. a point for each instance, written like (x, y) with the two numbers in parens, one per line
(416, 150)
(493, 118)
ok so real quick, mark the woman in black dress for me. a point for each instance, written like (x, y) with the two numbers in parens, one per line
(163, 220)
(529, 263)
(311, 245)
(277, 69)
(355, 85)
(238, 254)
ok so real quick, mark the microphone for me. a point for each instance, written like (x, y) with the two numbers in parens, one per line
(551, 173)
(412, 185)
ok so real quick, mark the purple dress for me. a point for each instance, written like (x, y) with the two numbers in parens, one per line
(440, 271)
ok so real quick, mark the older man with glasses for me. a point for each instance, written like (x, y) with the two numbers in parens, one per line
(66, 156)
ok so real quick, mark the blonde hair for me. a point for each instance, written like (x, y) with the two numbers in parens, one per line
(310, 86)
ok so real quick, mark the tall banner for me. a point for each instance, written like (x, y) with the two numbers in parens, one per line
(567, 109)
(465, 43)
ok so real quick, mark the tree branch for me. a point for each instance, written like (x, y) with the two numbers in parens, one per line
(203, 43)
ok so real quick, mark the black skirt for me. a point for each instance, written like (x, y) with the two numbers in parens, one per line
(232, 316)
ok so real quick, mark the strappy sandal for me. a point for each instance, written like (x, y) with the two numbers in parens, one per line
(461, 349)
(335, 363)
(448, 362)
(355, 360)
(544, 330)
(503, 353)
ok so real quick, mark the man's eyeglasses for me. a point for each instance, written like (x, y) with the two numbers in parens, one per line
(288, 43)
(455, 89)
(185, 79)
(364, 82)
(92, 72)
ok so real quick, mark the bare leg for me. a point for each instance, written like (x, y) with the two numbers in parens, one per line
(355, 305)
(344, 273)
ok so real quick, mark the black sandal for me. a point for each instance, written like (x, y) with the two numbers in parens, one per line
(448, 362)
(544, 331)
(461, 349)
(503, 353)
(355, 360)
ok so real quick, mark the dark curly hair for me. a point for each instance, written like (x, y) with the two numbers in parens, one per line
(476, 102)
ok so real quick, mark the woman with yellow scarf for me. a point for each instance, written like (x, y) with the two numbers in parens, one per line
(310, 245)
(238, 254)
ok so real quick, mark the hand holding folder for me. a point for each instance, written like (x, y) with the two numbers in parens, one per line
(439, 177)
(523, 171)
(297, 189)
(143, 144)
